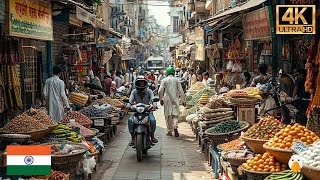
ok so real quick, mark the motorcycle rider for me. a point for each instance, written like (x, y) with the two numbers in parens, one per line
(142, 95)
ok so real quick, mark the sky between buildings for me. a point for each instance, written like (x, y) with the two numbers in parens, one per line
(160, 12)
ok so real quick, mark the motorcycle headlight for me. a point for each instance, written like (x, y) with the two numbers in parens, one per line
(140, 109)
(145, 120)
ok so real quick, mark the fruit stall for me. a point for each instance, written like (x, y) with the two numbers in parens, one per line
(77, 142)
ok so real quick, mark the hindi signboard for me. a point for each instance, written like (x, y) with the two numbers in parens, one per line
(199, 41)
(256, 24)
(30, 19)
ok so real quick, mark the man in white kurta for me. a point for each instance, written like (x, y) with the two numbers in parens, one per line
(55, 95)
(169, 93)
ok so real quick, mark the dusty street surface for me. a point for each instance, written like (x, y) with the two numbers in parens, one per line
(170, 159)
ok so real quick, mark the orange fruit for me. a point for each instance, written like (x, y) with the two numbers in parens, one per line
(261, 166)
(309, 141)
(259, 169)
(304, 139)
(265, 170)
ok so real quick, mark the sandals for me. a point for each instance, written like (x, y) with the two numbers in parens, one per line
(169, 134)
(131, 143)
(154, 140)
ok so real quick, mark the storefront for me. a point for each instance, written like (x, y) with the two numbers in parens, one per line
(24, 57)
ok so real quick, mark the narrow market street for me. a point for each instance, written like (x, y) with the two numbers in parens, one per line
(171, 158)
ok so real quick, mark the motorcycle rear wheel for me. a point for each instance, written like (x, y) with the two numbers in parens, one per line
(139, 146)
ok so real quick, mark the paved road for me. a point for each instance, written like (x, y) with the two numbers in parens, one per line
(170, 159)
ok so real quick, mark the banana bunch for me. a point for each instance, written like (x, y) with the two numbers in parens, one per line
(65, 132)
(287, 175)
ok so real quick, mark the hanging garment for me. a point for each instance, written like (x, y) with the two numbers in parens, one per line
(170, 89)
(55, 97)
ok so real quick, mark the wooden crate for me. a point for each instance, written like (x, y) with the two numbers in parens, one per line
(246, 114)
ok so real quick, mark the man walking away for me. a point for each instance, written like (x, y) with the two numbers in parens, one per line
(118, 79)
(55, 95)
(107, 83)
(170, 89)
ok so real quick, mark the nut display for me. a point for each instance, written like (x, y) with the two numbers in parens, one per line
(23, 124)
(41, 116)
(78, 117)
(265, 129)
(83, 130)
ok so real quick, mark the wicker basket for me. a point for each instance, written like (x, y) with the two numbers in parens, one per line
(233, 161)
(253, 175)
(244, 101)
(87, 125)
(220, 138)
(256, 145)
(281, 155)
(67, 163)
(310, 172)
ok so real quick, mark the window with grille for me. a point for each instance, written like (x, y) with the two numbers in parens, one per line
(176, 24)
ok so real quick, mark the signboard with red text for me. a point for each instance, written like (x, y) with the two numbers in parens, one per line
(30, 19)
(256, 24)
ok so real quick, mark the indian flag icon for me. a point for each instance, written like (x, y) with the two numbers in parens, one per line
(28, 160)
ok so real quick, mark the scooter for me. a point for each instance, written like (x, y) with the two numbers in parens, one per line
(141, 128)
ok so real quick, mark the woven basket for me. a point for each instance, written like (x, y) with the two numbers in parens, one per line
(67, 163)
(310, 172)
(220, 138)
(233, 161)
(256, 145)
(253, 175)
(281, 155)
(244, 102)
(87, 125)
(35, 135)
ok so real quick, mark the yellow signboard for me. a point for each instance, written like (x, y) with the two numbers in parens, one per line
(30, 19)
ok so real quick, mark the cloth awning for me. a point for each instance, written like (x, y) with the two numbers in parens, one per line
(115, 33)
(89, 18)
(247, 5)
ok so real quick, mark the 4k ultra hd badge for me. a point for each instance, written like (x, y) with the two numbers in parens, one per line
(296, 19)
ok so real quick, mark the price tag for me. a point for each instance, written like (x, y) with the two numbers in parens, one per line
(299, 147)
(98, 122)
(72, 120)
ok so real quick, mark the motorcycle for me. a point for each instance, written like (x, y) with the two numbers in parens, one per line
(152, 87)
(141, 128)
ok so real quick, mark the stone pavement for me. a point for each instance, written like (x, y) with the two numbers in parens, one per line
(170, 159)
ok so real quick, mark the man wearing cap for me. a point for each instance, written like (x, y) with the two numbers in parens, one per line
(131, 76)
(169, 92)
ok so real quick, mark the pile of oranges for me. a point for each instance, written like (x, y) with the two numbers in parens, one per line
(264, 163)
(291, 134)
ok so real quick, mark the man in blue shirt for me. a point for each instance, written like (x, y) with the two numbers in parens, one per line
(142, 95)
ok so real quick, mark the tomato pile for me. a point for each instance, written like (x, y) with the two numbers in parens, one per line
(264, 163)
(265, 129)
(290, 134)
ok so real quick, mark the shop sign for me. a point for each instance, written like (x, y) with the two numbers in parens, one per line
(179, 52)
(2, 10)
(75, 21)
(30, 19)
(256, 24)
(199, 38)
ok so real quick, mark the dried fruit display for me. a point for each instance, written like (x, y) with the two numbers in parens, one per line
(83, 130)
(41, 116)
(197, 86)
(78, 98)
(265, 129)
(78, 117)
(23, 124)
(108, 100)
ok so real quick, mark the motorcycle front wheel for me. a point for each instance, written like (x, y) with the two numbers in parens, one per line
(139, 146)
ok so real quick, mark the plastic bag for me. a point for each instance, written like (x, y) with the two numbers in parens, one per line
(67, 148)
(229, 65)
(88, 165)
(190, 118)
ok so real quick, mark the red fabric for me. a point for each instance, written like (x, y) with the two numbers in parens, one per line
(151, 77)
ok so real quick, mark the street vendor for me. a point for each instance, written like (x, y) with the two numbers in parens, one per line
(55, 95)
(267, 102)
(263, 77)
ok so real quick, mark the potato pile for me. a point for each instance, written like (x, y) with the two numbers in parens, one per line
(291, 134)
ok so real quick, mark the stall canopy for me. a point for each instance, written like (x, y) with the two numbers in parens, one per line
(89, 18)
(249, 4)
(115, 33)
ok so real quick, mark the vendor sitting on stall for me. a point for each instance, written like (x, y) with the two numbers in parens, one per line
(267, 102)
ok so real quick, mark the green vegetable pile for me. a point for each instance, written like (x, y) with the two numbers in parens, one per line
(195, 98)
(188, 98)
(193, 109)
(226, 126)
